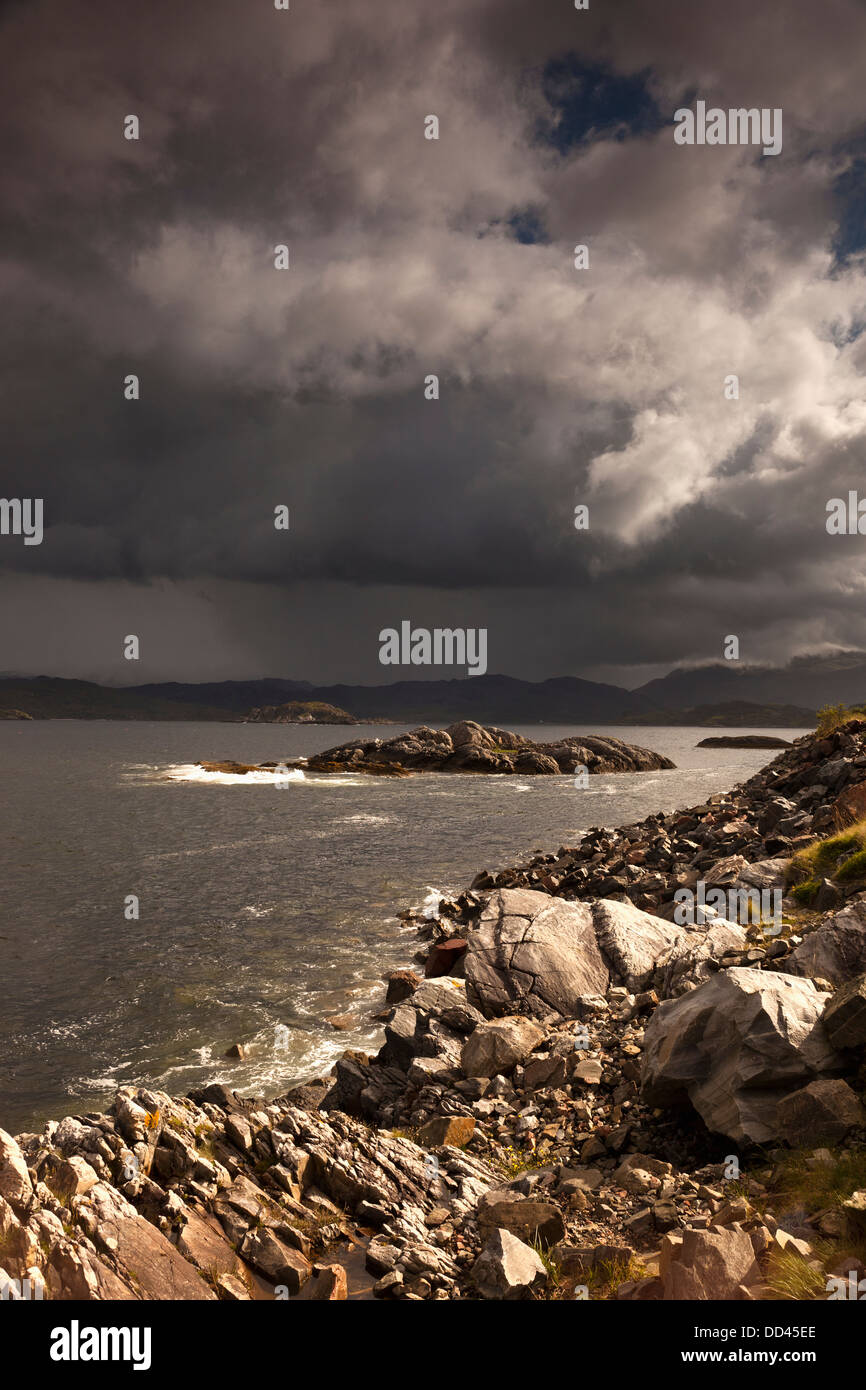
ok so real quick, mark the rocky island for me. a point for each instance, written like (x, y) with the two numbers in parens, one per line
(575, 1096)
(744, 741)
(300, 712)
(468, 747)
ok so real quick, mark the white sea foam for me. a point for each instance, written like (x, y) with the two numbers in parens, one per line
(191, 772)
(430, 905)
(367, 820)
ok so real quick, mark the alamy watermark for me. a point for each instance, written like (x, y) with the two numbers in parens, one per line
(736, 126)
(22, 516)
(743, 905)
(20, 1290)
(443, 646)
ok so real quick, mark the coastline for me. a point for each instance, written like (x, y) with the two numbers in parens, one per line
(517, 1098)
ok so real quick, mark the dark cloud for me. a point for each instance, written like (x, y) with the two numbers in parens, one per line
(411, 257)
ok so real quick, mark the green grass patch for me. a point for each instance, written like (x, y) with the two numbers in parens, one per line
(790, 1277)
(853, 868)
(824, 1185)
(822, 858)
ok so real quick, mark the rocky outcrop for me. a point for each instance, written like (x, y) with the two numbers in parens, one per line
(470, 747)
(212, 1196)
(734, 1046)
(743, 741)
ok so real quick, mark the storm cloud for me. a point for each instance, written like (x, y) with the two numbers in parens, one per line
(411, 257)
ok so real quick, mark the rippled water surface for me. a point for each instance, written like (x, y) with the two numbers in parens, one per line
(263, 910)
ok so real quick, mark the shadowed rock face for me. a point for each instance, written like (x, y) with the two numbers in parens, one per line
(836, 951)
(469, 747)
(735, 1047)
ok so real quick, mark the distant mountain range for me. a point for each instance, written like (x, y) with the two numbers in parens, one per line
(723, 695)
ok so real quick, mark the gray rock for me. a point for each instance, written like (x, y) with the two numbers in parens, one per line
(710, 1266)
(535, 950)
(634, 942)
(639, 947)
(15, 1184)
(823, 1112)
(524, 1217)
(836, 951)
(844, 1016)
(734, 1046)
(507, 1268)
(495, 1048)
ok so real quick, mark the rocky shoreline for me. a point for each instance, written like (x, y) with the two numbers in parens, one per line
(467, 747)
(582, 1097)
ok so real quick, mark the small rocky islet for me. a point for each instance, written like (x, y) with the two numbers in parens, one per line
(467, 747)
(744, 741)
(576, 1097)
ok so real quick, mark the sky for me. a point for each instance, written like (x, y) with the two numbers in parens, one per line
(305, 388)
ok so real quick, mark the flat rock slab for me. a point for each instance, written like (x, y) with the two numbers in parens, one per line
(202, 1242)
(536, 950)
(524, 1217)
(155, 1267)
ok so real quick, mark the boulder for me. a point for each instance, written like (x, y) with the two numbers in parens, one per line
(633, 942)
(689, 962)
(444, 956)
(401, 984)
(507, 1268)
(709, 1265)
(850, 806)
(734, 1046)
(275, 1260)
(825, 1112)
(497, 1047)
(73, 1177)
(455, 1130)
(15, 1185)
(836, 951)
(526, 1218)
(534, 950)
(844, 1015)
(639, 947)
